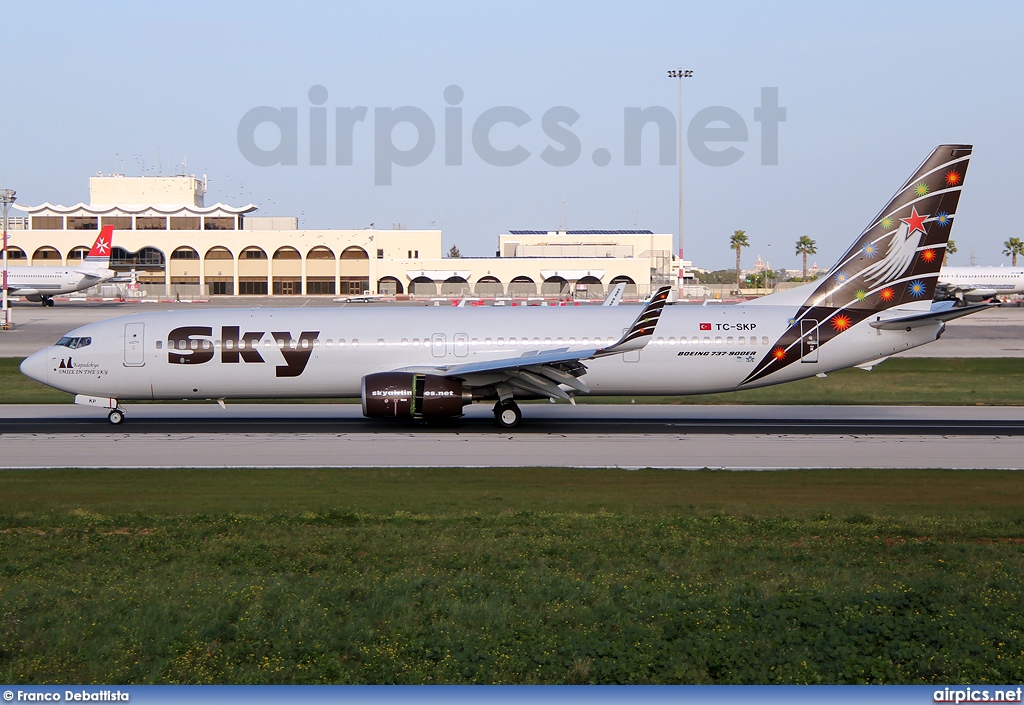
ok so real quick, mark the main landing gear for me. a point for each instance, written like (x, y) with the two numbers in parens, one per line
(507, 414)
(47, 301)
(115, 417)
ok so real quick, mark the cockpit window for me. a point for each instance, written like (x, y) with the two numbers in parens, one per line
(74, 343)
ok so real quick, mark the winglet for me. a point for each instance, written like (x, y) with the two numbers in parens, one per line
(639, 334)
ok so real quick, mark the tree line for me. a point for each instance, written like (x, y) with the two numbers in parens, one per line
(805, 246)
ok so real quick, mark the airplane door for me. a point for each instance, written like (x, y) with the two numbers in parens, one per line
(437, 344)
(808, 341)
(134, 344)
(461, 344)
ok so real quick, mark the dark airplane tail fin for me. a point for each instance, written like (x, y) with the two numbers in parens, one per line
(894, 262)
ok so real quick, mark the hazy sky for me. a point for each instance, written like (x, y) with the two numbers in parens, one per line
(869, 88)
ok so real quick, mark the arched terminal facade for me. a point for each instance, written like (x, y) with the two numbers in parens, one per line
(175, 243)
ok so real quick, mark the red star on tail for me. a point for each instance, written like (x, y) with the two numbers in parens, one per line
(915, 222)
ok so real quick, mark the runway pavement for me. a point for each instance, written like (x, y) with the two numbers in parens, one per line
(591, 436)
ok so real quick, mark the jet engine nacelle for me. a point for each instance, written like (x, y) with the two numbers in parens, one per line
(411, 395)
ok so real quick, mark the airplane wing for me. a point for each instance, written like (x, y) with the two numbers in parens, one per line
(952, 289)
(540, 372)
(92, 275)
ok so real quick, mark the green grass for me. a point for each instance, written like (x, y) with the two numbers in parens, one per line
(19, 389)
(511, 576)
(905, 381)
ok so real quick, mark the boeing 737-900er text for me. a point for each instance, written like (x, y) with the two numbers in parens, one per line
(963, 284)
(429, 363)
(43, 283)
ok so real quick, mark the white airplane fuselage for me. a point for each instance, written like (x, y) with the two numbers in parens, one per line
(282, 353)
(975, 283)
(35, 282)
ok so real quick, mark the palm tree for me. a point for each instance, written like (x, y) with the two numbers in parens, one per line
(737, 242)
(806, 246)
(1014, 246)
(950, 250)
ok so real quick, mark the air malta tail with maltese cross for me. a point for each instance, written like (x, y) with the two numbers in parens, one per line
(430, 363)
(99, 255)
(893, 265)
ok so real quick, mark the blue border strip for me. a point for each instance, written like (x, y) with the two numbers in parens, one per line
(535, 695)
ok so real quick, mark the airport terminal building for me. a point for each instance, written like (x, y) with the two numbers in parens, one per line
(177, 244)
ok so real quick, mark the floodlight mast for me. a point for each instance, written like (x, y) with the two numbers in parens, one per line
(7, 197)
(680, 74)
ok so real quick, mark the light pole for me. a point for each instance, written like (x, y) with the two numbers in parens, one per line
(680, 74)
(7, 197)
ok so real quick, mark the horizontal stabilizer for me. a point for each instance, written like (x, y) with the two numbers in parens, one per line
(930, 318)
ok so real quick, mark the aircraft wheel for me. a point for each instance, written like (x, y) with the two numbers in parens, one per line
(49, 302)
(115, 417)
(508, 414)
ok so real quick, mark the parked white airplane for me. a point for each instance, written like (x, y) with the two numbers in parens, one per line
(979, 283)
(43, 283)
(430, 362)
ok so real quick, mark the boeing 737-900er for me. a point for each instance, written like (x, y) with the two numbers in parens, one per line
(964, 284)
(429, 363)
(43, 283)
